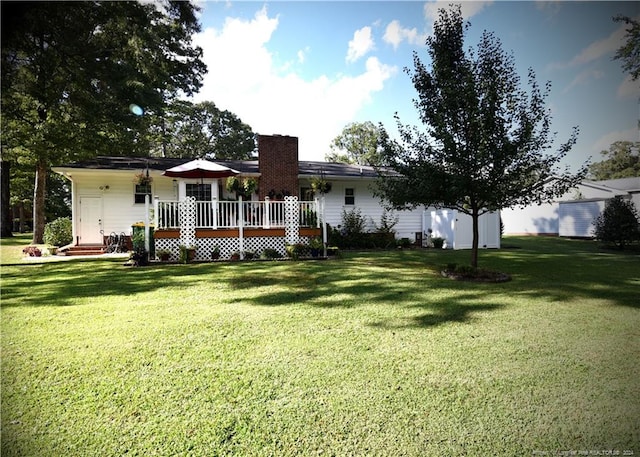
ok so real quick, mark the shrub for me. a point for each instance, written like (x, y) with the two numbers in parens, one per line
(618, 224)
(404, 243)
(270, 254)
(438, 242)
(295, 251)
(58, 232)
(353, 222)
(388, 220)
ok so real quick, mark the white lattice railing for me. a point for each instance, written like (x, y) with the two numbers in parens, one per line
(226, 214)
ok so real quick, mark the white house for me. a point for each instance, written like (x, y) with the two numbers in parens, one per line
(111, 194)
(573, 214)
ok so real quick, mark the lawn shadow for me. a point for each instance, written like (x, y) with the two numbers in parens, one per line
(62, 283)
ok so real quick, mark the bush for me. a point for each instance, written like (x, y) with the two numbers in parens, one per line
(353, 222)
(618, 224)
(58, 232)
(270, 254)
(295, 251)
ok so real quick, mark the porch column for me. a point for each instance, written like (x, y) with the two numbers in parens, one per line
(214, 212)
(146, 223)
(324, 225)
(266, 223)
(291, 220)
(156, 208)
(241, 227)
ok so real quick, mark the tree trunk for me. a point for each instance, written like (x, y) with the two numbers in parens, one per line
(39, 195)
(6, 224)
(22, 227)
(474, 245)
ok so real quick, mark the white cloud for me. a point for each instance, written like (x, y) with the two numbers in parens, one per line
(584, 77)
(395, 34)
(600, 48)
(468, 8)
(361, 44)
(244, 79)
(629, 89)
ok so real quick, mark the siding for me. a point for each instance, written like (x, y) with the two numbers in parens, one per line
(409, 222)
(576, 217)
(118, 207)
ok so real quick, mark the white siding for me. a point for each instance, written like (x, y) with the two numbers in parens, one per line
(409, 222)
(117, 191)
(576, 218)
(532, 220)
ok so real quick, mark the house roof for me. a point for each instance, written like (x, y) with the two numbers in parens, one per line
(247, 167)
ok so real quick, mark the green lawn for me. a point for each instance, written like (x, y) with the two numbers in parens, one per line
(372, 354)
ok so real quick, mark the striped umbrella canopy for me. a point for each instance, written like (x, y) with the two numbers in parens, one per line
(200, 168)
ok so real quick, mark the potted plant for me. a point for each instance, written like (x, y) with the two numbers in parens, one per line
(139, 256)
(320, 185)
(163, 254)
(143, 179)
(315, 245)
(235, 256)
(215, 253)
(187, 253)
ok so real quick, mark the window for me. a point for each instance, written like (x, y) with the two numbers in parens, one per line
(349, 197)
(202, 192)
(140, 191)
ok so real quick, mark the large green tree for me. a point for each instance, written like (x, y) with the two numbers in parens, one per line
(359, 143)
(484, 142)
(620, 161)
(73, 71)
(202, 130)
(629, 52)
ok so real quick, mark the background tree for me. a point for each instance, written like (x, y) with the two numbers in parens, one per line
(618, 224)
(202, 130)
(629, 53)
(72, 70)
(620, 161)
(484, 139)
(359, 143)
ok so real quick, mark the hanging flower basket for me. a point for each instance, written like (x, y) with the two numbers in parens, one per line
(320, 185)
(143, 179)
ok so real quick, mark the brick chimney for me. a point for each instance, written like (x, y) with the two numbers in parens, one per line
(278, 165)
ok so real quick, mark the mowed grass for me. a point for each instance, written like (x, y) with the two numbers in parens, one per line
(372, 354)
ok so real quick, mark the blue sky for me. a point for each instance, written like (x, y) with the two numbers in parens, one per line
(307, 69)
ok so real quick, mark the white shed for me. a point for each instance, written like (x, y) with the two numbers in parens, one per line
(457, 228)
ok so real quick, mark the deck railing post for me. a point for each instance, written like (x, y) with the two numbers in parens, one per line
(240, 227)
(266, 223)
(146, 222)
(156, 209)
(324, 226)
(214, 212)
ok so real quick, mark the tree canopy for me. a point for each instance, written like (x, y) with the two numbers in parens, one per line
(202, 130)
(629, 52)
(359, 143)
(620, 161)
(485, 140)
(77, 75)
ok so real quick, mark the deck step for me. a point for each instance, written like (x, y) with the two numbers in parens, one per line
(84, 250)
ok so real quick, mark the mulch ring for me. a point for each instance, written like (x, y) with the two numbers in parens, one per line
(477, 276)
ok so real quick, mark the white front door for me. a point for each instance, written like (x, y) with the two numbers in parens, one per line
(90, 220)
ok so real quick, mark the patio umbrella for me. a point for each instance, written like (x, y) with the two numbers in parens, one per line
(200, 168)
